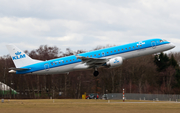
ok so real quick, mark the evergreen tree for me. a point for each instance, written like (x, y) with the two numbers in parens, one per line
(162, 62)
(173, 62)
(177, 78)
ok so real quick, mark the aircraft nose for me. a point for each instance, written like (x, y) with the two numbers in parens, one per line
(172, 45)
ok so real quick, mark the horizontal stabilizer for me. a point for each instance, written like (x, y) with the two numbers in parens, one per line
(19, 69)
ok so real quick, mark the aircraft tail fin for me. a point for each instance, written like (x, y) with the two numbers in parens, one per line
(20, 58)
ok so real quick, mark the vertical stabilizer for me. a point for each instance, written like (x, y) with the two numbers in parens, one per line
(19, 58)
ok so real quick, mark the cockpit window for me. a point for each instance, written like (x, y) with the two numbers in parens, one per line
(163, 41)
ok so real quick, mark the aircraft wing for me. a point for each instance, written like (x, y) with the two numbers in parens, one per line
(93, 62)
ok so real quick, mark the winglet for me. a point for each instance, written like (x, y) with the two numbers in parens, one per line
(75, 53)
(79, 57)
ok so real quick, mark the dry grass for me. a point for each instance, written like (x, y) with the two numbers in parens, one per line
(87, 106)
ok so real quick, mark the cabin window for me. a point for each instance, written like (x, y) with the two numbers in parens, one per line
(118, 50)
(77, 58)
(95, 55)
(133, 46)
(59, 62)
(122, 49)
(91, 55)
(114, 50)
(107, 52)
(129, 47)
(70, 60)
(73, 59)
(66, 61)
(55, 63)
(136, 46)
(141, 45)
(111, 51)
(51, 63)
(63, 61)
(126, 48)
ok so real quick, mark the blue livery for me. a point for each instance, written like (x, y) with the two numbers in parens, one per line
(108, 57)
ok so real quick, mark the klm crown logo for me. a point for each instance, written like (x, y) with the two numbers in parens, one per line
(18, 56)
(116, 61)
(141, 43)
(18, 53)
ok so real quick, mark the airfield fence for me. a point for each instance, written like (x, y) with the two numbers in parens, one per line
(111, 96)
(135, 96)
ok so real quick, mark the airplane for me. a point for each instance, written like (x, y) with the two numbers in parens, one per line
(108, 57)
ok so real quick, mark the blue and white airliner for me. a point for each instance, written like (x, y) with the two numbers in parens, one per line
(108, 57)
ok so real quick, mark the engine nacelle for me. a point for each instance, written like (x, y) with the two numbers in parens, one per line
(114, 62)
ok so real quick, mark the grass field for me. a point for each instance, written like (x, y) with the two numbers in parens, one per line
(87, 106)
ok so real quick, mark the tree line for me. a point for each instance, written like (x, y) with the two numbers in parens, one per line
(147, 74)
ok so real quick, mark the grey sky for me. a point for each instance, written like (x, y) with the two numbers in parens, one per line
(85, 24)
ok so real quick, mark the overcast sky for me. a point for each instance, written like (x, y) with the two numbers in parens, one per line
(86, 24)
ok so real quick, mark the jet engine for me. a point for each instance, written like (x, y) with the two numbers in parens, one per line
(114, 62)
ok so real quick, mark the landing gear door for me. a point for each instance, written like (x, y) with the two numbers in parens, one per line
(46, 67)
(153, 44)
